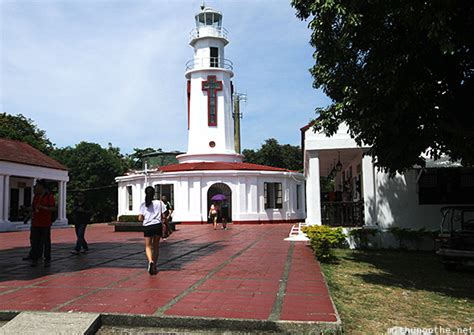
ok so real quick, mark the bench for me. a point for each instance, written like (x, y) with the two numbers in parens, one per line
(133, 226)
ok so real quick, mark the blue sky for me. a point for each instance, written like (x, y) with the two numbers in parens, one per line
(113, 71)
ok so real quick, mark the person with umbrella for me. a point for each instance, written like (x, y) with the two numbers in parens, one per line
(221, 213)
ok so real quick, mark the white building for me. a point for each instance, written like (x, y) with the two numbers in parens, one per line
(370, 197)
(254, 193)
(20, 166)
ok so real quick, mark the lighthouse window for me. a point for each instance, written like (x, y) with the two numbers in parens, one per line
(208, 19)
(273, 195)
(201, 19)
(214, 52)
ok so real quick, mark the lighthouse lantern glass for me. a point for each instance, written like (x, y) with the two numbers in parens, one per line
(209, 19)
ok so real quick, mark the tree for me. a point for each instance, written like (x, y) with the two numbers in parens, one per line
(399, 73)
(274, 154)
(92, 169)
(18, 127)
(136, 159)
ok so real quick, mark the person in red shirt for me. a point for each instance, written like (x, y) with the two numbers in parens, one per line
(42, 208)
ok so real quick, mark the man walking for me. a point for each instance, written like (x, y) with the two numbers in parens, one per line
(42, 208)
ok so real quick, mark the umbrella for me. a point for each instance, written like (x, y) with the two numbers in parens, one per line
(218, 197)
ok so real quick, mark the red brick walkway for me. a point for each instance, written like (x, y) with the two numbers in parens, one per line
(247, 272)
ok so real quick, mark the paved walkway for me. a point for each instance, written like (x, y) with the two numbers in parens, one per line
(246, 272)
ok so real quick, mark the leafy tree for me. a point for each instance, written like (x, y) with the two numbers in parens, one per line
(18, 127)
(399, 73)
(136, 159)
(93, 169)
(274, 154)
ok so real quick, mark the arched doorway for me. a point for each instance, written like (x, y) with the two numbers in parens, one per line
(226, 203)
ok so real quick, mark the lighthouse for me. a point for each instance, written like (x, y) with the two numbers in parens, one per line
(209, 93)
(212, 166)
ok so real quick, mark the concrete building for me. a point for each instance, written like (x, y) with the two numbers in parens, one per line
(20, 166)
(364, 196)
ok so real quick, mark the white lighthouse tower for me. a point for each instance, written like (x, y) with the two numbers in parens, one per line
(209, 93)
(249, 193)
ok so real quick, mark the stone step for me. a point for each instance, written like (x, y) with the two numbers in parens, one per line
(46, 323)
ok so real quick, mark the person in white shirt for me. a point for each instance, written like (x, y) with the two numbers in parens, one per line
(152, 215)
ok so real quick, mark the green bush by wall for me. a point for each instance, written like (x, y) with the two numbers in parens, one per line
(324, 239)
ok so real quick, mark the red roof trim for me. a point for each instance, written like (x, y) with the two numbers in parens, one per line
(309, 125)
(219, 166)
(23, 153)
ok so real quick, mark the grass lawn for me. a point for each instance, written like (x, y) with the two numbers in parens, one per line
(375, 290)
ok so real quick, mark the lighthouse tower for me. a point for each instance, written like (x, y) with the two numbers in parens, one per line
(209, 93)
(212, 169)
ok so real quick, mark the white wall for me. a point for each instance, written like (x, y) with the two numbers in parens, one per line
(200, 133)
(191, 188)
(389, 202)
(397, 203)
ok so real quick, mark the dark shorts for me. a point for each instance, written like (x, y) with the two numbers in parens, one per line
(153, 230)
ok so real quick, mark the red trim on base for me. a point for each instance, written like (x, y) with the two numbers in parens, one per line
(250, 221)
(208, 166)
(193, 222)
(268, 221)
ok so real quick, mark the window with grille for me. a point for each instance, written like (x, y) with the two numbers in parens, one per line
(165, 190)
(130, 197)
(298, 196)
(446, 186)
(273, 195)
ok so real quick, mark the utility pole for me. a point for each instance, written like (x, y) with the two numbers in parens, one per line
(238, 97)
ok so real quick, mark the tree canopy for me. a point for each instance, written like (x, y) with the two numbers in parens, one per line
(399, 73)
(92, 169)
(136, 158)
(20, 128)
(274, 154)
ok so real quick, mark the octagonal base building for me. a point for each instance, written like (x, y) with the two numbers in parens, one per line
(212, 168)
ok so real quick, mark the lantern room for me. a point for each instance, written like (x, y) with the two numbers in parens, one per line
(208, 24)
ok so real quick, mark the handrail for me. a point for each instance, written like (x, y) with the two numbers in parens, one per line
(208, 31)
(209, 62)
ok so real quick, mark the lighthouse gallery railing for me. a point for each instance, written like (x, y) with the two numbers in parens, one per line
(208, 31)
(209, 62)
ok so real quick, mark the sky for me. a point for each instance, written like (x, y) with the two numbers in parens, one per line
(113, 70)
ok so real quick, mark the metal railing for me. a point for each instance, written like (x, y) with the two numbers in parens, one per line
(209, 62)
(208, 31)
(344, 213)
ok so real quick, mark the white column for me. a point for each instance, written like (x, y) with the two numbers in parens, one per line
(368, 191)
(62, 203)
(313, 190)
(6, 198)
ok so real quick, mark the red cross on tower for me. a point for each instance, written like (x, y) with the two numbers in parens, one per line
(212, 86)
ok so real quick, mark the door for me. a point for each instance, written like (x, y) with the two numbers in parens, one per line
(14, 204)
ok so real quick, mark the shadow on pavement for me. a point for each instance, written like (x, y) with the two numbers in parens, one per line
(174, 255)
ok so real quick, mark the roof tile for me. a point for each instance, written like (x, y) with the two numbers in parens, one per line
(23, 153)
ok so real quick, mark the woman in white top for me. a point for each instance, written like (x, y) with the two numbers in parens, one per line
(214, 214)
(152, 215)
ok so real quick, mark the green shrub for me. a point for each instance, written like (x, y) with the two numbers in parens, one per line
(128, 218)
(324, 239)
(361, 236)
